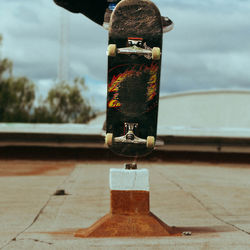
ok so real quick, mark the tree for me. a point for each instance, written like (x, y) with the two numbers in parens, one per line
(5, 65)
(63, 104)
(67, 104)
(16, 99)
(16, 94)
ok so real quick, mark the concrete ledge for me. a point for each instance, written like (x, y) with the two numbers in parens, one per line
(122, 179)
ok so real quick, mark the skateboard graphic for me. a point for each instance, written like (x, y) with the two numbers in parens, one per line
(134, 65)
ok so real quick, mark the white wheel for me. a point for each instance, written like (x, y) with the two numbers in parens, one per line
(150, 142)
(156, 53)
(111, 50)
(109, 139)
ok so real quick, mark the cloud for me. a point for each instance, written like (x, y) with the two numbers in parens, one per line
(208, 48)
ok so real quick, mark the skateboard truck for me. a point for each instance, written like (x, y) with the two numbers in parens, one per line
(154, 53)
(130, 137)
(130, 128)
(135, 46)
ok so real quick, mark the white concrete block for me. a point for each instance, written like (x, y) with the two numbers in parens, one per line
(123, 179)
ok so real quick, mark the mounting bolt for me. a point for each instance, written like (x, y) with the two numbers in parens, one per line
(188, 233)
(130, 136)
(130, 166)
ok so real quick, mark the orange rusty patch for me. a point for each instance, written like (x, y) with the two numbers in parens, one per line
(63, 232)
(129, 216)
(173, 231)
(129, 202)
(33, 168)
(116, 225)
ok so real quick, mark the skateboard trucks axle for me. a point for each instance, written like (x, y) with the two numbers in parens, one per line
(154, 53)
(130, 137)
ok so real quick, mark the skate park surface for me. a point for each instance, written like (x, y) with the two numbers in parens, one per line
(54, 180)
(210, 200)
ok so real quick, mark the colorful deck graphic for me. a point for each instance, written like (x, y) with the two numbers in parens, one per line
(133, 72)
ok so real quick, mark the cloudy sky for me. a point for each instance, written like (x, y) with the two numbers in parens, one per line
(209, 47)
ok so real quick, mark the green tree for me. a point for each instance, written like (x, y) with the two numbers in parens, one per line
(67, 104)
(16, 99)
(63, 104)
(17, 94)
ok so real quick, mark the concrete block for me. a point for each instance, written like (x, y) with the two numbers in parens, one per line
(123, 179)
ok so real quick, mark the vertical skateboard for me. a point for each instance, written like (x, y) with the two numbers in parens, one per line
(134, 65)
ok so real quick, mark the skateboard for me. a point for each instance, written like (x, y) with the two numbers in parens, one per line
(134, 65)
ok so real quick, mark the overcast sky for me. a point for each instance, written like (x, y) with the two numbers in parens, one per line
(209, 47)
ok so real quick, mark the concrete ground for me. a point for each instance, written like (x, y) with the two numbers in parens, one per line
(210, 200)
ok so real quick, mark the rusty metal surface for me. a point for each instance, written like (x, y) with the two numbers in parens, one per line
(129, 202)
(129, 216)
(133, 225)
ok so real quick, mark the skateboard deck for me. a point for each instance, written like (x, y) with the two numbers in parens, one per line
(134, 65)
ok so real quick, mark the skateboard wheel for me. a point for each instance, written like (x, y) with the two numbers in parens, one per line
(111, 50)
(156, 53)
(150, 142)
(109, 139)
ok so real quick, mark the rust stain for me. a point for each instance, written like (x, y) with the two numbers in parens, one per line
(136, 225)
(129, 202)
(64, 232)
(67, 233)
(35, 168)
(173, 231)
(205, 230)
(129, 216)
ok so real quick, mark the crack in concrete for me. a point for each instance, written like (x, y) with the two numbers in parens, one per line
(206, 208)
(217, 217)
(38, 214)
